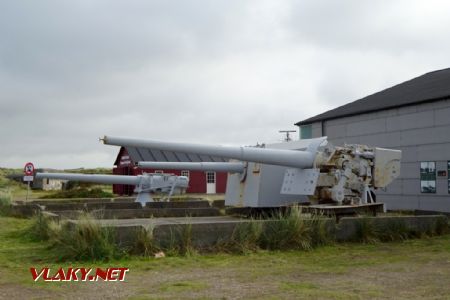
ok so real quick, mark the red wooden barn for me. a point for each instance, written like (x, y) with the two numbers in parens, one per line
(199, 181)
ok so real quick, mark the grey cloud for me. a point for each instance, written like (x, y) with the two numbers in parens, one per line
(232, 72)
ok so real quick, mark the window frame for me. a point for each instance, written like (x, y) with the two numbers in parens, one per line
(214, 179)
(448, 176)
(305, 131)
(426, 176)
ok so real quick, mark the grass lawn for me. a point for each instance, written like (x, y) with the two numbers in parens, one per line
(414, 269)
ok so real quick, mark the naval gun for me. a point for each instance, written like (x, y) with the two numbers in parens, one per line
(310, 170)
(145, 183)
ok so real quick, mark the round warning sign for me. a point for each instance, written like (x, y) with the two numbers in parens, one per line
(28, 169)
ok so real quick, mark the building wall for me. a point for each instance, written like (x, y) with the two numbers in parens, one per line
(197, 180)
(421, 131)
(52, 184)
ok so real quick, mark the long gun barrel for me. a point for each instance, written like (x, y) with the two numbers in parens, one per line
(233, 167)
(144, 183)
(102, 179)
(280, 157)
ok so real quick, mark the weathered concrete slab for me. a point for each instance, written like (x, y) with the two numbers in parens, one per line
(218, 203)
(24, 211)
(207, 231)
(66, 200)
(88, 206)
(418, 212)
(348, 226)
(142, 213)
(179, 204)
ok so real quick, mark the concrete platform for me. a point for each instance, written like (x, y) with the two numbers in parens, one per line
(134, 213)
(206, 232)
(165, 221)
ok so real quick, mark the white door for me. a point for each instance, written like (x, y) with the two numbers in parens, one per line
(210, 182)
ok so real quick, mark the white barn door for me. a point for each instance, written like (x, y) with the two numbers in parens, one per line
(210, 182)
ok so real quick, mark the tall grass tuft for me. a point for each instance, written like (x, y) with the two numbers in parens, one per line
(39, 229)
(84, 240)
(287, 230)
(441, 226)
(366, 231)
(393, 230)
(322, 230)
(186, 246)
(246, 237)
(144, 243)
(5, 203)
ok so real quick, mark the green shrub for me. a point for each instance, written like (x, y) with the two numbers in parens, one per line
(79, 193)
(322, 231)
(84, 240)
(245, 238)
(4, 183)
(186, 246)
(366, 231)
(39, 229)
(287, 230)
(441, 226)
(393, 230)
(144, 244)
(5, 203)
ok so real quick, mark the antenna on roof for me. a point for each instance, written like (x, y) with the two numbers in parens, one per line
(287, 138)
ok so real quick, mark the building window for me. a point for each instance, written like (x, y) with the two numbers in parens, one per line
(448, 176)
(428, 177)
(210, 177)
(159, 171)
(305, 132)
(185, 173)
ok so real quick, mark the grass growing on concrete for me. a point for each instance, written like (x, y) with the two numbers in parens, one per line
(395, 229)
(85, 240)
(246, 238)
(366, 231)
(95, 192)
(5, 203)
(295, 230)
(144, 243)
(40, 228)
(411, 269)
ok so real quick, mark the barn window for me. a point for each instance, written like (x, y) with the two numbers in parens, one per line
(211, 177)
(305, 132)
(159, 171)
(428, 177)
(185, 173)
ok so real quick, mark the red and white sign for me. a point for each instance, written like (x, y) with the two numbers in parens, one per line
(28, 170)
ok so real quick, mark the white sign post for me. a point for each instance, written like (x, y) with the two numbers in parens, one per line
(28, 171)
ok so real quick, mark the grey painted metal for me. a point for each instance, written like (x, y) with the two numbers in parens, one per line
(235, 167)
(144, 183)
(422, 133)
(300, 182)
(103, 179)
(280, 157)
(263, 181)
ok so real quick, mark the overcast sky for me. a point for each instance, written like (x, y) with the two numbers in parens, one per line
(221, 72)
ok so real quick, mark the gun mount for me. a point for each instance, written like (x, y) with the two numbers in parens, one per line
(290, 172)
(145, 183)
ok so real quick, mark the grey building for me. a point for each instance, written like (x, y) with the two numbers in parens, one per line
(413, 116)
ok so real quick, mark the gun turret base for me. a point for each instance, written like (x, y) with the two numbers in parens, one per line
(143, 198)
